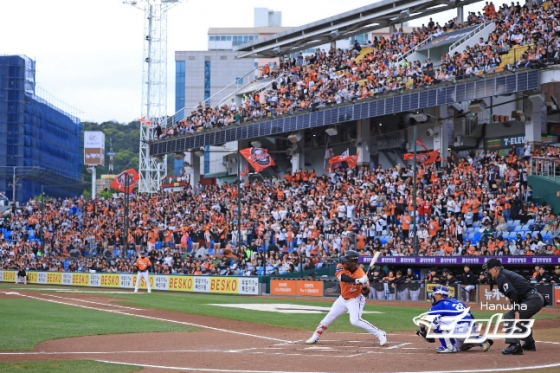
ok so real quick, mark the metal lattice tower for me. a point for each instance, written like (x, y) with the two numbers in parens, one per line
(154, 89)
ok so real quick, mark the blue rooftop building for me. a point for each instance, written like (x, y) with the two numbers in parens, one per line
(40, 144)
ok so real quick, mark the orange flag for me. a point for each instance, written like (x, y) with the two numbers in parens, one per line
(258, 158)
(120, 181)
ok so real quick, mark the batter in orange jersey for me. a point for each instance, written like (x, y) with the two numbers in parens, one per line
(143, 263)
(354, 287)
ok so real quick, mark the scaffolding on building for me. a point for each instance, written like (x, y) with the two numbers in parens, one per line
(35, 134)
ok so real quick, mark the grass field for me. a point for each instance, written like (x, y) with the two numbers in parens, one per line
(27, 322)
(392, 318)
(72, 366)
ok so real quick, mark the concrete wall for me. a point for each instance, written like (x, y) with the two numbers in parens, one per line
(474, 39)
(224, 69)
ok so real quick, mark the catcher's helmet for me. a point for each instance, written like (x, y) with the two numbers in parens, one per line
(442, 290)
(350, 255)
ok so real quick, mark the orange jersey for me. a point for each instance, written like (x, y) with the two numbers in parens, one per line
(143, 264)
(348, 290)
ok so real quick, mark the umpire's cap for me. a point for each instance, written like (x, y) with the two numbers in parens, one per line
(350, 255)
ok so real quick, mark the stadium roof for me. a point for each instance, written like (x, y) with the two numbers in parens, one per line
(44, 176)
(345, 25)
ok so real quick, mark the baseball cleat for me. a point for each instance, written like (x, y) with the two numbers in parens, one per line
(383, 339)
(468, 346)
(445, 350)
(513, 349)
(311, 341)
(529, 346)
(487, 344)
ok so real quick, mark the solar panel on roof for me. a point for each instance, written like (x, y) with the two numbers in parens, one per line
(533, 78)
(303, 121)
(432, 98)
(440, 96)
(522, 82)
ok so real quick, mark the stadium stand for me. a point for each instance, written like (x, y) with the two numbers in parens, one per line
(524, 36)
(479, 205)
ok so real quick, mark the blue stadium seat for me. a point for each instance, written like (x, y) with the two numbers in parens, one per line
(517, 228)
(517, 222)
(159, 244)
(505, 235)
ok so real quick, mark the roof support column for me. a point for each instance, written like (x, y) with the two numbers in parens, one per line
(363, 137)
(534, 128)
(460, 15)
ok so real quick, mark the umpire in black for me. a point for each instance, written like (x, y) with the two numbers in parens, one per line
(524, 297)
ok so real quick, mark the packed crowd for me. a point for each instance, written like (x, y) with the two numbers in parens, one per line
(334, 76)
(299, 222)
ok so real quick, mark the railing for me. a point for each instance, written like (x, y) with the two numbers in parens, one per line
(468, 36)
(549, 168)
(179, 115)
(416, 47)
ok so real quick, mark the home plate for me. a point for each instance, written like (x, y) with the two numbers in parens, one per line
(281, 308)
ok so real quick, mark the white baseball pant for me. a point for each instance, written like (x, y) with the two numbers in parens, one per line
(143, 275)
(414, 294)
(403, 294)
(21, 279)
(467, 290)
(355, 307)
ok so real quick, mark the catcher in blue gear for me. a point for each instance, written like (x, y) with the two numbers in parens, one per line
(449, 317)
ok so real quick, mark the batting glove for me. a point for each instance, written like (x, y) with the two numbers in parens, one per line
(362, 280)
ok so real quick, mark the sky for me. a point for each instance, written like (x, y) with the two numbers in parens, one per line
(89, 53)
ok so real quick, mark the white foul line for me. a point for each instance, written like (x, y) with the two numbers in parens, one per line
(158, 319)
(398, 346)
(276, 371)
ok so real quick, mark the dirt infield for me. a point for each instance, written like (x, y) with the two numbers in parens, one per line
(222, 345)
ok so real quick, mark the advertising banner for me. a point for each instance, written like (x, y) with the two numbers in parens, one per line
(126, 281)
(161, 282)
(94, 148)
(67, 279)
(224, 285)
(110, 280)
(430, 288)
(180, 283)
(309, 288)
(248, 286)
(283, 287)
(460, 260)
(199, 284)
(485, 295)
(94, 157)
(80, 279)
(9, 276)
(95, 280)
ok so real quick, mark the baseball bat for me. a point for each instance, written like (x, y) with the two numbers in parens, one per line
(374, 259)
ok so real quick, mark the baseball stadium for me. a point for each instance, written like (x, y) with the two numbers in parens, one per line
(374, 191)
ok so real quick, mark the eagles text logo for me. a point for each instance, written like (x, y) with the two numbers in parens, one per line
(496, 327)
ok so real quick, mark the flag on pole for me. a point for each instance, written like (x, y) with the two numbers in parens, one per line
(424, 158)
(419, 142)
(351, 160)
(119, 183)
(328, 155)
(258, 158)
(245, 172)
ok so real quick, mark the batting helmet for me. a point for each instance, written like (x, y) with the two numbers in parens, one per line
(350, 255)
